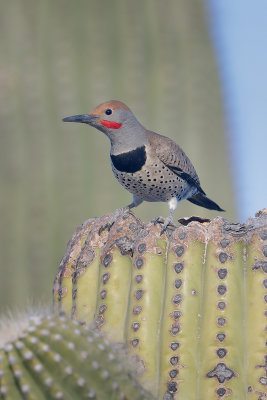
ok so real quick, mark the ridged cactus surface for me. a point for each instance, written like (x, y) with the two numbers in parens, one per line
(54, 358)
(191, 303)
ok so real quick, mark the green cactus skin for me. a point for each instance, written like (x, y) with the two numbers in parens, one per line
(115, 276)
(145, 303)
(54, 358)
(256, 313)
(190, 304)
(83, 249)
(222, 338)
(181, 312)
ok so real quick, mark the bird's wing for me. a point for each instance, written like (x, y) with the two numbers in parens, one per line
(174, 158)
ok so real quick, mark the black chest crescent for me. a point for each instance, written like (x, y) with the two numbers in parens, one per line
(132, 161)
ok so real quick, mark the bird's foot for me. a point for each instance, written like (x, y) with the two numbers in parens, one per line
(167, 223)
(158, 220)
(113, 217)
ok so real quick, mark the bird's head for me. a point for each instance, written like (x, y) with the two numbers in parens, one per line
(107, 117)
(116, 120)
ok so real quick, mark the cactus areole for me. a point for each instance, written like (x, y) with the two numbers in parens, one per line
(190, 304)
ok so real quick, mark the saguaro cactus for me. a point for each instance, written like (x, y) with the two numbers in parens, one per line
(191, 304)
(54, 358)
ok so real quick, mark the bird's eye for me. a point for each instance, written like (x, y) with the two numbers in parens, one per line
(108, 111)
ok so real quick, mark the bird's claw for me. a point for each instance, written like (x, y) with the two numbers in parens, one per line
(167, 223)
(112, 219)
(158, 220)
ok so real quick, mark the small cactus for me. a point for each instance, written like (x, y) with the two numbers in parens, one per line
(55, 358)
(190, 304)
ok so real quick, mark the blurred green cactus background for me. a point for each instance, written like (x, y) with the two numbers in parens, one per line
(60, 58)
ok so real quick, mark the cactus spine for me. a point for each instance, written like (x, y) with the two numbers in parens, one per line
(191, 304)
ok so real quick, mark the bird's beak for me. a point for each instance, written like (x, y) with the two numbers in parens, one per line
(83, 118)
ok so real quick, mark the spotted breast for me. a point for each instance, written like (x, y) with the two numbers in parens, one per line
(147, 177)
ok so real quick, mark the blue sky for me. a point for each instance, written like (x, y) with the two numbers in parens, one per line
(240, 36)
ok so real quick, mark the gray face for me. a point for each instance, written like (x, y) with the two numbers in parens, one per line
(130, 135)
(121, 127)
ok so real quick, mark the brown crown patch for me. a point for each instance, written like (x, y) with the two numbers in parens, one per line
(112, 104)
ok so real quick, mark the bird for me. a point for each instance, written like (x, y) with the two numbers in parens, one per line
(152, 167)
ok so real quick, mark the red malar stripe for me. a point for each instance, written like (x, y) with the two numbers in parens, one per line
(110, 124)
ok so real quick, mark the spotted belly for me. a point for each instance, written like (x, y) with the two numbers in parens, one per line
(154, 182)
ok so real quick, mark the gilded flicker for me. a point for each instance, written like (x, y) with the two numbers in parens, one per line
(150, 166)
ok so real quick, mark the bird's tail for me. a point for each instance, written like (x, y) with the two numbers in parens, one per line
(203, 201)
